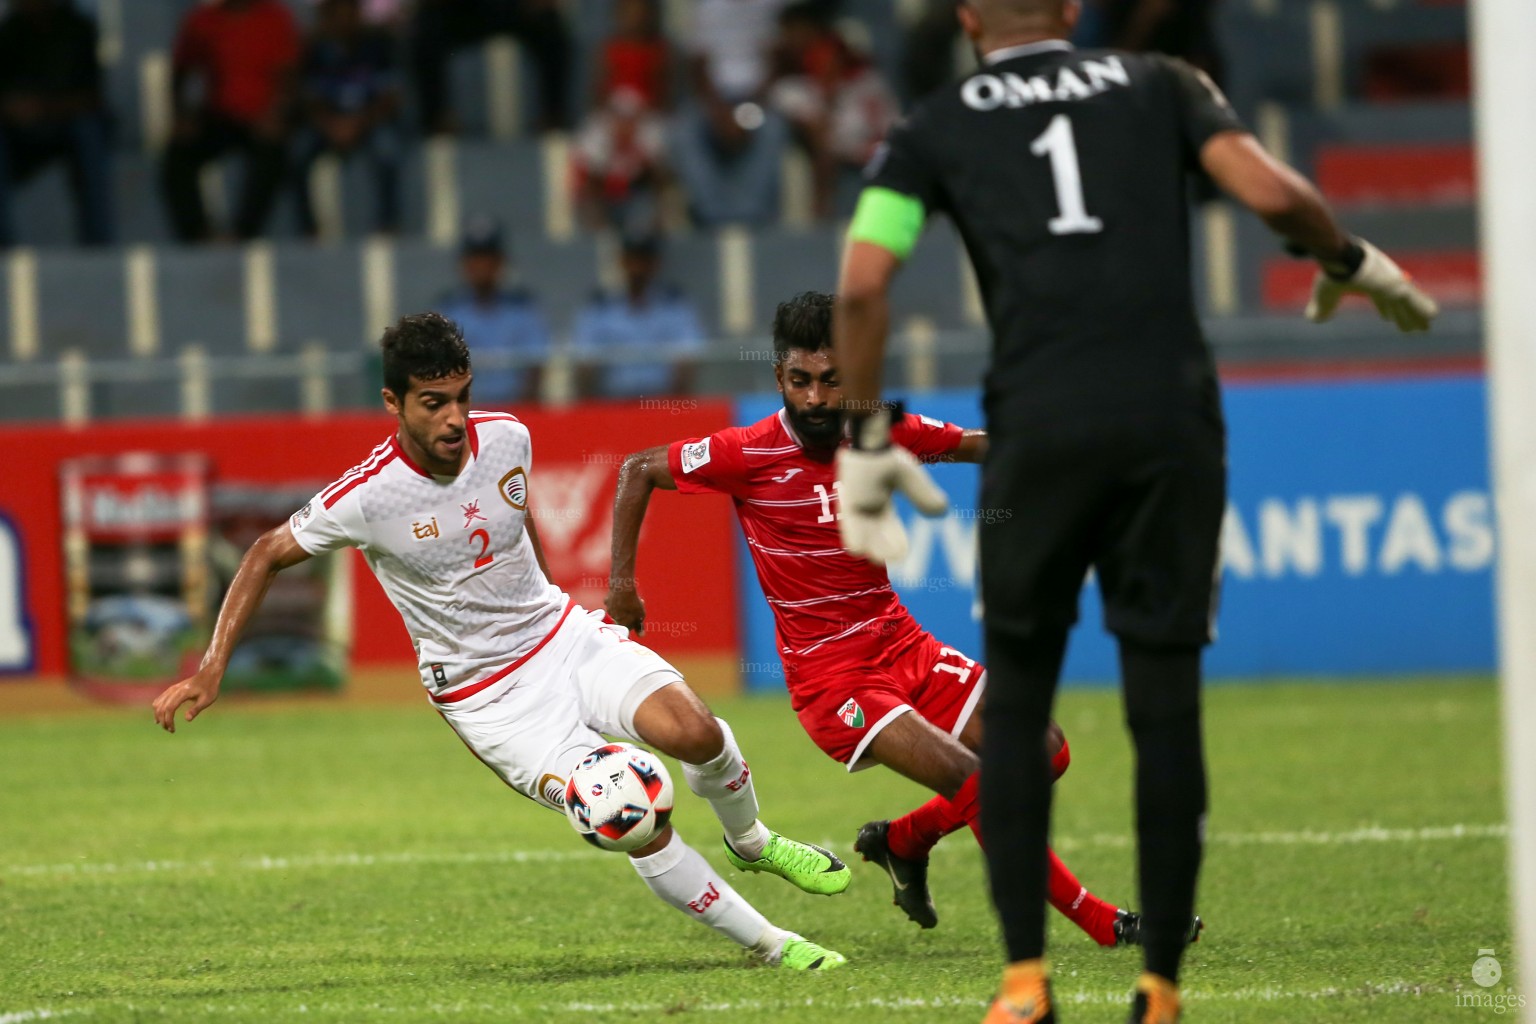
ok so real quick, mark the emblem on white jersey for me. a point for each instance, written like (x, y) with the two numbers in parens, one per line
(788, 473)
(514, 489)
(695, 455)
(425, 531)
(851, 714)
(302, 516)
(472, 512)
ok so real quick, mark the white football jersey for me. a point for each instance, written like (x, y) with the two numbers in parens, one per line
(451, 552)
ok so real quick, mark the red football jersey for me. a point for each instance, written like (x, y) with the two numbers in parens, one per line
(833, 611)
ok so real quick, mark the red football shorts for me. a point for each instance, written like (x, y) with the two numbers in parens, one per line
(851, 705)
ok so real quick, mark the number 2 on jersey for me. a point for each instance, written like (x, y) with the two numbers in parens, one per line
(484, 558)
(1058, 142)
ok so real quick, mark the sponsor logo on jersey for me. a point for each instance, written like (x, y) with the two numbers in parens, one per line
(472, 512)
(439, 676)
(425, 531)
(695, 455)
(851, 714)
(514, 489)
(788, 475)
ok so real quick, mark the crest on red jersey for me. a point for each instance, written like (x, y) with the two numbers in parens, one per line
(851, 714)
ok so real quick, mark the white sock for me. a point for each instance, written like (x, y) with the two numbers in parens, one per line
(683, 879)
(726, 782)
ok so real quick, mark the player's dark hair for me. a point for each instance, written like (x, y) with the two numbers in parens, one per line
(803, 322)
(427, 346)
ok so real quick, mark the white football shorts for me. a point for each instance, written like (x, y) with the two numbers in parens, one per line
(587, 681)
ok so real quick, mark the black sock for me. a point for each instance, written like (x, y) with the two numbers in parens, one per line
(1162, 706)
(1016, 781)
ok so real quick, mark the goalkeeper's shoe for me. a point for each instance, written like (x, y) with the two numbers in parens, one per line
(1024, 997)
(808, 868)
(1156, 1001)
(804, 955)
(909, 878)
(1128, 929)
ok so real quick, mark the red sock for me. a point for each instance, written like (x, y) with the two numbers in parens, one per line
(1061, 760)
(913, 834)
(1080, 906)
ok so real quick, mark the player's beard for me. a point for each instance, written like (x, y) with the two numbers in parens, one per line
(441, 461)
(824, 430)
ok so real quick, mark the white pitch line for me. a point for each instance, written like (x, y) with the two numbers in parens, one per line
(1371, 834)
(319, 860)
(1067, 997)
(1353, 837)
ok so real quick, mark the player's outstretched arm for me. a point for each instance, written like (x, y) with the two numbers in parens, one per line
(641, 473)
(533, 538)
(274, 551)
(862, 322)
(972, 447)
(873, 468)
(1294, 209)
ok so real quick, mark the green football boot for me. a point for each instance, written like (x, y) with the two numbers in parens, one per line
(804, 955)
(808, 868)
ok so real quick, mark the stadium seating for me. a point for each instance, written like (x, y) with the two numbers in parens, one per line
(1401, 172)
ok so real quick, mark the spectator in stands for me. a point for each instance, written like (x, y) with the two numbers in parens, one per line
(836, 100)
(51, 108)
(619, 161)
(351, 100)
(233, 81)
(442, 26)
(505, 331)
(636, 57)
(728, 144)
(1179, 28)
(643, 341)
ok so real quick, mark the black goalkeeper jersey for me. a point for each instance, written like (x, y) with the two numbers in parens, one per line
(1066, 173)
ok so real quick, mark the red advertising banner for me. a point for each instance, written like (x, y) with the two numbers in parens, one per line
(577, 453)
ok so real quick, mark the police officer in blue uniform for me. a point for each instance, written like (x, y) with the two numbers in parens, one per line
(507, 334)
(642, 340)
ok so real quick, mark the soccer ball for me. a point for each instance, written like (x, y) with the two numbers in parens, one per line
(619, 797)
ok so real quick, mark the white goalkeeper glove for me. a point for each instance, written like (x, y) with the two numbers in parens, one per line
(867, 475)
(1374, 275)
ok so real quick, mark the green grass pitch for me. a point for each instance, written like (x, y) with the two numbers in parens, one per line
(337, 863)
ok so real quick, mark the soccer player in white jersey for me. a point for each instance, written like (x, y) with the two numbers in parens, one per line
(525, 676)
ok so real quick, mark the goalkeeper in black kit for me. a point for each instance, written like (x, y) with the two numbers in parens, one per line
(1066, 174)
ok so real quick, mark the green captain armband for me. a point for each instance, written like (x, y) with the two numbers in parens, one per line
(887, 218)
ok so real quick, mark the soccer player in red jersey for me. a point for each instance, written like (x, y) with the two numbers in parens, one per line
(855, 660)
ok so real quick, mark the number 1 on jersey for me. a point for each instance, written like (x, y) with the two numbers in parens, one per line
(827, 515)
(1058, 142)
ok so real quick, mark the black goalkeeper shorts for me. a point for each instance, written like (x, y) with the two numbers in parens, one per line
(1139, 503)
